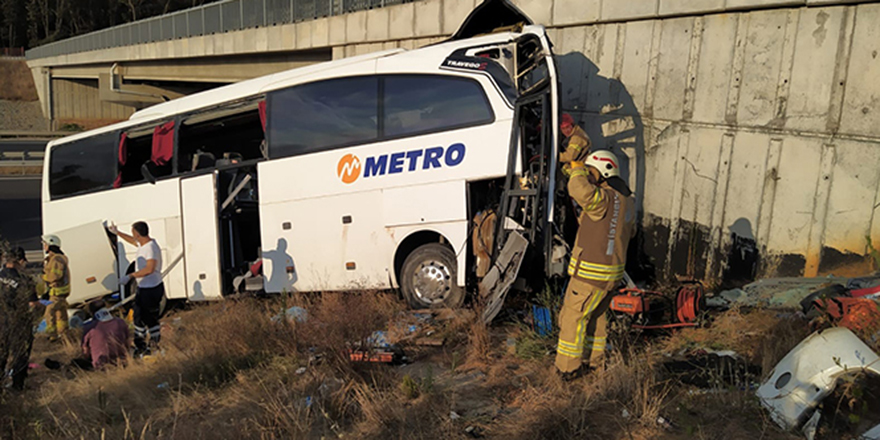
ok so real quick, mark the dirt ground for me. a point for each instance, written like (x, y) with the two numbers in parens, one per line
(22, 116)
(16, 81)
(229, 371)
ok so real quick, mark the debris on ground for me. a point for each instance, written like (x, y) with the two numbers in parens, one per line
(787, 293)
(709, 369)
(293, 314)
(810, 372)
(542, 323)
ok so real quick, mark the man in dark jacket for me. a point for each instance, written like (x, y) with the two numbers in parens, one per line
(17, 298)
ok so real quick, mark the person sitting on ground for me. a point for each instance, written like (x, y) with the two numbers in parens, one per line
(106, 342)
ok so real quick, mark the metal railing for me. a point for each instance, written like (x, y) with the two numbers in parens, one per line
(7, 157)
(213, 18)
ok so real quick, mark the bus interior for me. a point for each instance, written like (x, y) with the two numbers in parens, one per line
(523, 196)
(230, 141)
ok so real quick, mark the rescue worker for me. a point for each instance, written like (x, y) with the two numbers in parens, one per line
(106, 341)
(56, 275)
(151, 289)
(597, 260)
(577, 143)
(17, 298)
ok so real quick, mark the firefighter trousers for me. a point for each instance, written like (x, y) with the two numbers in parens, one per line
(582, 334)
(56, 316)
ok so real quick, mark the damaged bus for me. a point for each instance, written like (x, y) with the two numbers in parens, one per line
(428, 171)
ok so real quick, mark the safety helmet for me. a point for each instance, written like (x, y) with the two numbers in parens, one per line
(566, 121)
(52, 240)
(605, 162)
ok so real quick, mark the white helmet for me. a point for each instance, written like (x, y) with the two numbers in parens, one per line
(52, 240)
(605, 162)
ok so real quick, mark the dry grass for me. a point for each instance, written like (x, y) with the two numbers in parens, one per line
(230, 372)
(16, 81)
(760, 336)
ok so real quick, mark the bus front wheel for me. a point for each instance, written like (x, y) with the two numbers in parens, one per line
(429, 278)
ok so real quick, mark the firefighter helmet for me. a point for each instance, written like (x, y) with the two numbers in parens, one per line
(605, 162)
(566, 121)
(52, 240)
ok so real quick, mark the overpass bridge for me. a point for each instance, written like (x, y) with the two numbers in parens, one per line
(748, 127)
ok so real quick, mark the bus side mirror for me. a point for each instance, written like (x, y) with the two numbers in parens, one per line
(145, 171)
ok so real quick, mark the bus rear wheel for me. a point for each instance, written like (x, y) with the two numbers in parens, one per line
(428, 278)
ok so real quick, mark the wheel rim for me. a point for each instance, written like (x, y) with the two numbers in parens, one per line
(432, 282)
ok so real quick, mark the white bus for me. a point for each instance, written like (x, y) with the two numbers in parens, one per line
(361, 173)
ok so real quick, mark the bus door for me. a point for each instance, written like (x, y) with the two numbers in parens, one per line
(90, 250)
(202, 249)
(528, 217)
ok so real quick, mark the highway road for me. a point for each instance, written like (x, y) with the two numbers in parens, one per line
(22, 145)
(20, 221)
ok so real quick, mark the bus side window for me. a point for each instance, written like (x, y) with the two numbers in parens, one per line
(417, 104)
(137, 152)
(83, 166)
(218, 138)
(322, 115)
(137, 148)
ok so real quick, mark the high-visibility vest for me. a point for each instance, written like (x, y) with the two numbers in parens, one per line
(56, 269)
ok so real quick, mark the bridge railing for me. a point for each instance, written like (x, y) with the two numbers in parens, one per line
(213, 18)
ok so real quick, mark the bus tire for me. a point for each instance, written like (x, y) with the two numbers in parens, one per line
(428, 278)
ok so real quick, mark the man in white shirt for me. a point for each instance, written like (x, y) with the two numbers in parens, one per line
(150, 289)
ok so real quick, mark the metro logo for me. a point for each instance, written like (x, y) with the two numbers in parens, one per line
(349, 167)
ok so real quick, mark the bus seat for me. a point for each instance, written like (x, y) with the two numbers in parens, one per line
(202, 160)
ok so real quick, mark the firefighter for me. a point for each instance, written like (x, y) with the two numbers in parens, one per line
(577, 143)
(17, 299)
(597, 260)
(56, 275)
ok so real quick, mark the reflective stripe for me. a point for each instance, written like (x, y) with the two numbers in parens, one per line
(591, 305)
(595, 267)
(568, 351)
(601, 277)
(568, 345)
(598, 266)
(595, 271)
(582, 171)
(597, 199)
(61, 291)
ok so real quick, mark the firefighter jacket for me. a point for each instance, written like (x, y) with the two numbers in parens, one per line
(577, 146)
(606, 226)
(56, 274)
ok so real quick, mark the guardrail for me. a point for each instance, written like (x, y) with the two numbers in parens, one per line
(213, 18)
(34, 135)
(22, 156)
(21, 163)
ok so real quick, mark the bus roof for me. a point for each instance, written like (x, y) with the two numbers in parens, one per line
(429, 60)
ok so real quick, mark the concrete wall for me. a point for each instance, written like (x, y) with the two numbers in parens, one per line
(78, 100)
(751, 136)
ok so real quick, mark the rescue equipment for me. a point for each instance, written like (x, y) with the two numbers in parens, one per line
(650, 310)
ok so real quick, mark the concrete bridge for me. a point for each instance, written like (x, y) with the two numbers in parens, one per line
(749, 126)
